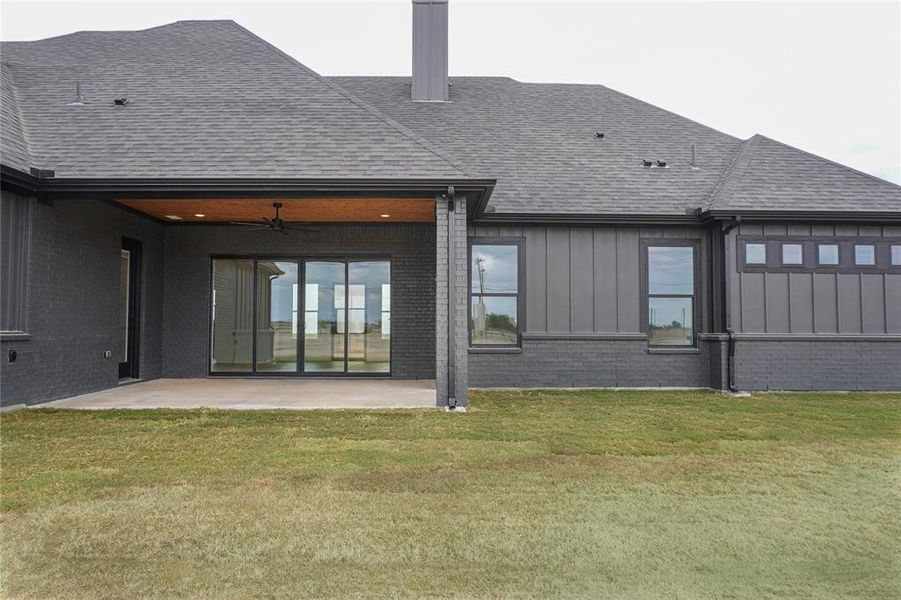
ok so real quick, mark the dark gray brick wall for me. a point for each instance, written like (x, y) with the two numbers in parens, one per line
(818, 365)
(411, 248)
(458, 291)
(72, 304)
(589, 363)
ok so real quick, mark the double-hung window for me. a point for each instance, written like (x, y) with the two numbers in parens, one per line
(494, 294)
(671, 295)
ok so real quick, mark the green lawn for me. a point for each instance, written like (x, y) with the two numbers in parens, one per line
(573, 494)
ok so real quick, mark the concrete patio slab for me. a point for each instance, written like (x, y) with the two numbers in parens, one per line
(257, 394)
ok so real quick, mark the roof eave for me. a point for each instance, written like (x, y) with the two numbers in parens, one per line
(110, 188)
(801, 215)
(587, 219)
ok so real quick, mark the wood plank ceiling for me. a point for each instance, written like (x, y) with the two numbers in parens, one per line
(336, 210)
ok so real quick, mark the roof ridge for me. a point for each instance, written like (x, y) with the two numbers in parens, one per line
(112, 31)
(360, 103)
(824, 159)
(636, 99)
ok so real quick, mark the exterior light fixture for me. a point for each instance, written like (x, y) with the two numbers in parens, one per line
(173, 217)
(385, 216)
(201, 215)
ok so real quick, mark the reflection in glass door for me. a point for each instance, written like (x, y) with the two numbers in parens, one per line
(347, 317)
(262, 319)
(369, 317)
(277, 316)
(324, 311)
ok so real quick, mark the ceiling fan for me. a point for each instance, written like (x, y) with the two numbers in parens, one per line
(276, 223)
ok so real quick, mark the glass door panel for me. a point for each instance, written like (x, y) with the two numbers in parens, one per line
(324, 316)
(277, 319)
(369, 317)
(232, 316)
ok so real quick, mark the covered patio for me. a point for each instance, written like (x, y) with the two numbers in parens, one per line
(259, 394)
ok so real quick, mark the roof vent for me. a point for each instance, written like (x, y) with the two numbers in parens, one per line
(79, 99)
(661, 164)
(120, 101)
(599, 135)
(647, 163)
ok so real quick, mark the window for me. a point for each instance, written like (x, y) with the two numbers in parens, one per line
(864, 254)
(494, 287)
(896, 255)
(15, 218)
(671, 273)
(827, 254)
(792, 254)
(755, 254)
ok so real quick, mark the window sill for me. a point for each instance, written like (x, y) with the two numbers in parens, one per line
(674, 350)
(490, 350)
(14, 336)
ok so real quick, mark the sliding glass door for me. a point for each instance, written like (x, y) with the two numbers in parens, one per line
(347, 316)
(263, 319)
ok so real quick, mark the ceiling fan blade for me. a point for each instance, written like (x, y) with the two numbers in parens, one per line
(301, 227)
(284, 231)
(256, 224)
(269, 222)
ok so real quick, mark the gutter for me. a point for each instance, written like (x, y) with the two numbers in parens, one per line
(100, 188)
(730, 357)
(802, 215)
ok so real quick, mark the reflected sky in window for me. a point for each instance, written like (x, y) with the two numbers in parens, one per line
(494, 269)
(670, 270)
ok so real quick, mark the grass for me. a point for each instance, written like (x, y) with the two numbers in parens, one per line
(529, 494)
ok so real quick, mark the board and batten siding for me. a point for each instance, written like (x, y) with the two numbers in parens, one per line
(817, 302)
(587, 279)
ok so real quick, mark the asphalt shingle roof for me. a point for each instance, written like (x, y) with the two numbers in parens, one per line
(210, 99)
(769, 175)
(539, 142)
(206, 99)
(13, 141)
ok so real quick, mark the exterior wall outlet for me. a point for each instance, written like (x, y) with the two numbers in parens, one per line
(13, 355)
(107, 354)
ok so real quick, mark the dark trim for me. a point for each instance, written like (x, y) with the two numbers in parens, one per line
(495, 350)
(130, 368)
(810, 254)
(611, 336)
(17, 181)
(584, 219)
(697, 291)
(301, 261)
(818, 337)
(838, 216)
(113, 188)
(520, 243)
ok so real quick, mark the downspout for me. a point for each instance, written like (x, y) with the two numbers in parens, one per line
(451, 289)
(730, 357)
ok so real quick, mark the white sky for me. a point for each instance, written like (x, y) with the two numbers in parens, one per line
(823, 76)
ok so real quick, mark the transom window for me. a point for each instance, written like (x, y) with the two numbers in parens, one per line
(671, 295)
(827, 254)
(792, 254)
(494, 294)
(755, 254)
(864, 254)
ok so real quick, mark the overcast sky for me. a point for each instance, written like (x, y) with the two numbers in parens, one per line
(823, 76)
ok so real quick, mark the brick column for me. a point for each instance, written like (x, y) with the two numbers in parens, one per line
(451, 298)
